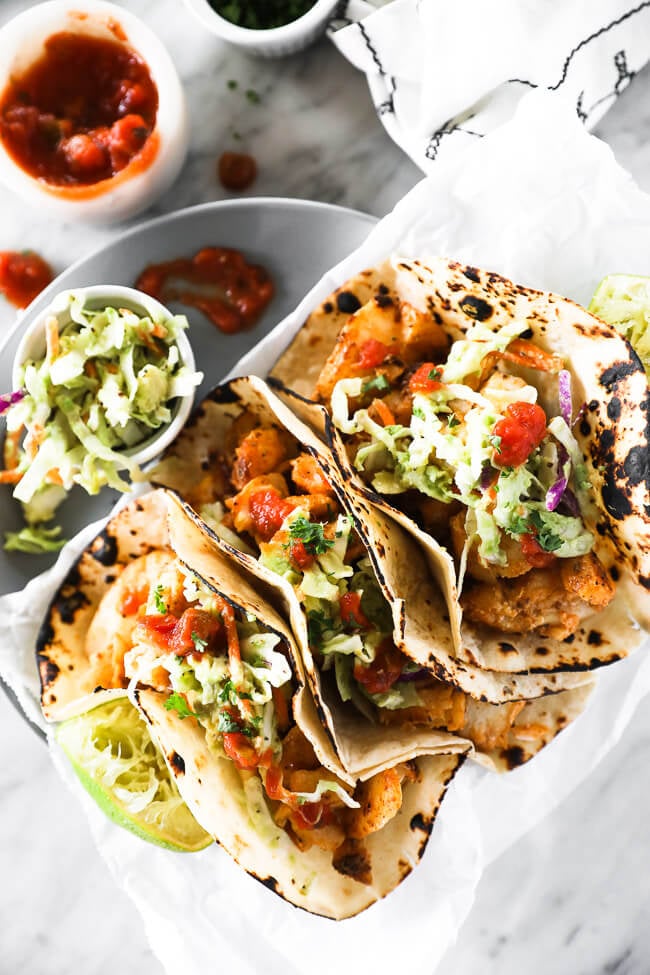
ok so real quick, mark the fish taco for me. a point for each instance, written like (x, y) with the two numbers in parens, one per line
(214, 672)
(507, 428)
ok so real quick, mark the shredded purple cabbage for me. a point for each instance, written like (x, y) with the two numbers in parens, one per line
(412, 675)
(566, 400)
(570, 503)
(556, 491)
(487, 476)
(8, 399)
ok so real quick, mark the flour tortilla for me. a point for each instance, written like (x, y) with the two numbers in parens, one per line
(613, 434)
(212, 788)
(70, 682)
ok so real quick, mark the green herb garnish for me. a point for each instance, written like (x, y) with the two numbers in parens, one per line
(545, 538)
(261, 14)
(176, 702)
(199, 642)
(227, 725)
(311, 534)
(378, 384)
(161, 605)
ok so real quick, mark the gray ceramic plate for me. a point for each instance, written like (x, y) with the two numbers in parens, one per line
(297, 241)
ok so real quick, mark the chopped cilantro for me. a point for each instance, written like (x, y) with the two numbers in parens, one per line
(230, 695)
(161, 605)
(378, 384)
(232, 84)
(519, 526)
(418, 412)
(435, 375)
(228, 725)
(199, 642)
(257, 15)
(453, 421)
(546, 538)
(253, 96)
(311, 534)
(176, 702)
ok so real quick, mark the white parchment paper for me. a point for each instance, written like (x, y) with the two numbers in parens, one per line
(546, 204)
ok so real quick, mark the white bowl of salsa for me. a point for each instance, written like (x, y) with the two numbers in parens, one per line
(93, 121)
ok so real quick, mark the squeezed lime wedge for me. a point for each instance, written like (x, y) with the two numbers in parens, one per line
(116, 761)
(623, 300)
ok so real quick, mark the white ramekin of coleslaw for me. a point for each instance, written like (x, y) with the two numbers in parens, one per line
(103, 381)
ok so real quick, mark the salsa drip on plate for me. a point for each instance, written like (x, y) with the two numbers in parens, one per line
(80, 113)
(218, 281)
(455, 436)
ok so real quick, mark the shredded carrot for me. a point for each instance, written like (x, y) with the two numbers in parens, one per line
(146, 339)
(281, 708)
(11, 452)
(385, 413)
(228, 617)
(159, 330)
(90, 369)
(33, 440)
(10, 477)
(526, 353)
(54, 476)
(51, 338)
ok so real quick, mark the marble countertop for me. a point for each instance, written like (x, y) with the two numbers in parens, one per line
(571, 898)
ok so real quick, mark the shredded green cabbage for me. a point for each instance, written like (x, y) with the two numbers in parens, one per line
(111, 382)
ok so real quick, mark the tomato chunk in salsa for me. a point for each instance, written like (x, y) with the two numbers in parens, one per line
(81, 112)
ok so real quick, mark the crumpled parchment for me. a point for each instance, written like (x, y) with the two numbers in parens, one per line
(546, 204)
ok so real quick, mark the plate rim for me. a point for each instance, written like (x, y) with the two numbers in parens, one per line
(265, 202)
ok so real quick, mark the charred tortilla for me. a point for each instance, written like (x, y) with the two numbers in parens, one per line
(612, 435)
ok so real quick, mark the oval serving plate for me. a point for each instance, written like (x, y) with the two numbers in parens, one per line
(296, 240)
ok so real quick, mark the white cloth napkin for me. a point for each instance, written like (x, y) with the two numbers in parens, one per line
(443, 75)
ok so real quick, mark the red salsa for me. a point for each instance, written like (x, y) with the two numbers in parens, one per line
(372, 353)
(519, 432)
(23, 275)
(237, 170)
(81, 113)
(268, 510)
(218, 281)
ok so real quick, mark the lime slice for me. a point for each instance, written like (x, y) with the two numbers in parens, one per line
(116, 761)
(623, 300)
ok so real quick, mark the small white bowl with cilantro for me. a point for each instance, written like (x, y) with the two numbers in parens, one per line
(104, 379)
(265, 28)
